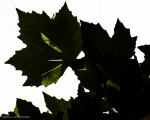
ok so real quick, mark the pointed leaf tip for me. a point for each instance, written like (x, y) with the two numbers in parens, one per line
(118, 21)
(65, 4)
(19, 12)
(135, 38)
(65, 7)
(120, 25)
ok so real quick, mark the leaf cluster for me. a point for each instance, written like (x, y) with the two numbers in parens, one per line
(119, 86)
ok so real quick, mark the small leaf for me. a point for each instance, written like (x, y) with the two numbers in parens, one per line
(26, 109)
(55, 105)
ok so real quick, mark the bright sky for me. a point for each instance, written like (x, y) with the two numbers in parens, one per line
(135, 14)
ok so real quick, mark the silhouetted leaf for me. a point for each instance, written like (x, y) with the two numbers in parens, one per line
(88, 106)
(97, 40)
(27, 110)
(122, 42)
(51, 43)
(37, 67)
(82, 106)
(107, 52)
(109, 70)
(55, 105)
(90, 78)
(124, 75)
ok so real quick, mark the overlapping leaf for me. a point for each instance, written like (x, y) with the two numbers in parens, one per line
(89, 106)
(121, 45)
(108, 52)
(26, 110)
(107, 70)
(112, 57)
(55, 105)
(51, 43)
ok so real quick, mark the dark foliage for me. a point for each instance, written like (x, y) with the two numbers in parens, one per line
(119, 86)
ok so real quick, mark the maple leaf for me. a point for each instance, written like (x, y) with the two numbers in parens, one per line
(51, 43)
(108, 53)
(112, 58)
(121, 45)
(55, 105)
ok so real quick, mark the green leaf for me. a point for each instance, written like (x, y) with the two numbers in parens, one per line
(51, 43)
(55, 105)
(27, 110)
(54, 75)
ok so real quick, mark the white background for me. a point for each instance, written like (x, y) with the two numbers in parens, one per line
(135, 14)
